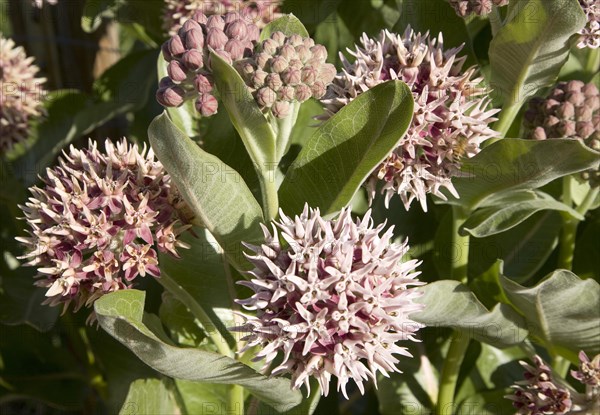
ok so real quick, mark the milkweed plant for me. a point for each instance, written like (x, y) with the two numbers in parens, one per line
(304, 207)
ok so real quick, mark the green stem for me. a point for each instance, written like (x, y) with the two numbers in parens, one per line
(588, 201)
(268, 189)
(456, 353)
(196, 309)
(236, 400)
(495, 20)
(561, 366)
(460, 245)
(593, 61)
(506, 118)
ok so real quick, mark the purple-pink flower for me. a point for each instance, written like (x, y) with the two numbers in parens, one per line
(332, 297)
(451, 116)
(97, 220)
(465, 8)
(589, 36)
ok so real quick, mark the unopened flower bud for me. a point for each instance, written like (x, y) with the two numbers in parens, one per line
(246, 66)
(224, 55)
(278, 37)
(303, 92)
(165, 51)
(192, 60)
(309, 75)
(235, 48)
(258, 78)
(215, 22)
(288, 52)
(318, 89)
(539, 134)
(291, 76)
(270, 46)
(236, 30)
(165, 82)
(295, 40)
(583, 113)
(266, 97)
(279, 64)
(170, 97)
(216, 38)
(253, 33)
(303, 53)
(207, 105)
(566, 110)
(585, 129)
(287, 93)
(194, 39)
(202, 84)
(590, 90)
(175, 46)
(319, 52)
(328, 72)
(176, 71)
(281, 109)
(308, 42)
(567, 129)
(262, 59)
(200, 17)
(189, 24)
(297, 64)
(232, 17)
(273, 81)
(576, 98)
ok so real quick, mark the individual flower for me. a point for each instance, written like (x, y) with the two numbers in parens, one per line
(450, 115)
(539, 393)
(479, 7)
(188, 57)
(589, 36)
(589, 371)
(571, 110)
(284, 69)
(259, 12)
(96, 220)
(20, 94)
(333, 296)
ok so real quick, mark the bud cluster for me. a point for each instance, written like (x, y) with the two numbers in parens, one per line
(259, 12)
(465, 8)
(589, 36)
(286, 69)
(334, 296)
(95, 221)
(20, 94)
(450, 114)
(571, 110)
(539, 393)
(188, 57)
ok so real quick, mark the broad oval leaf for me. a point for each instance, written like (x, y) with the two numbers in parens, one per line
(561, 311)
(121, 314)
(344, 150)
(151, 397)
(451, 304)
(513, 163)
(209, 186)
(287, 24)
(245, 115)
(529, 51)
(511, 210)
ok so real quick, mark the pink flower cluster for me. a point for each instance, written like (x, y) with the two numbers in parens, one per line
(21, 94)
(96, 219)
(589, 36)
(465, 8)
(450, 119)
(334, 296)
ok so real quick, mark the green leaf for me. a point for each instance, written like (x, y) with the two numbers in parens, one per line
(287, 24)
(524, 249)
(215, 192)
(344, 150)
(513, 163)
(529, 51)
(245, 115)
(204, 398)
(150, 397)
(451, 304)
(120, 314)
(510, 210)
(561, 311)
(95, 11)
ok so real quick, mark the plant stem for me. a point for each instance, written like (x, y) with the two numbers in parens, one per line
(456, 353)
(460, 245)
(593, 61)
(506, 118)
(268, 189)
(196, 309)
(236, 400)
(569, 230)
(561, 365)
